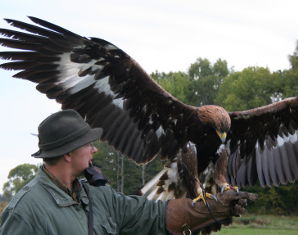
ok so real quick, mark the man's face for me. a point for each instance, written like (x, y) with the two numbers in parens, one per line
(81, 158)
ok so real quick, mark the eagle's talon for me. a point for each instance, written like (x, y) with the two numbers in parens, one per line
(203, 197)
(214, 197)
(229, 187)
(236, 189)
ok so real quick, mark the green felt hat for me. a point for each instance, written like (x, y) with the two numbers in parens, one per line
(63, 132)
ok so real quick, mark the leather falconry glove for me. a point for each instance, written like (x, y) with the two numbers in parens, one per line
(183, 216)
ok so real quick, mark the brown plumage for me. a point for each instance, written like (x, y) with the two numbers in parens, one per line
(141, 120)
(215, 115)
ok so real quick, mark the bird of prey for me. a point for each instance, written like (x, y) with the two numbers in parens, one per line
(141, 120)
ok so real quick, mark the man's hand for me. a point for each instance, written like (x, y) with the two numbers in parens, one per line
(95, 176)
(183, 215)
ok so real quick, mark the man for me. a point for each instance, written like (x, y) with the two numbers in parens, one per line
(55, 202)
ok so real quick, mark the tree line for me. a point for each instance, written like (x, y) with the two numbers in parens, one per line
(203, 83)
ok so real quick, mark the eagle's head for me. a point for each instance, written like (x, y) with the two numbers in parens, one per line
(216, 117)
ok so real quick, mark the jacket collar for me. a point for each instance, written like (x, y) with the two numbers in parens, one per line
(61, 197)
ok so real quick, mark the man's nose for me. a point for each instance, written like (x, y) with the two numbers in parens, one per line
(94, 149)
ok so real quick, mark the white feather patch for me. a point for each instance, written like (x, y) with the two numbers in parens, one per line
(70, 79)
(150, 190)
(119, 102)
(160, 131)
(88, 81)
(103, 86)
(69, 73)
(192, 146)
(281, 140)
(172, 173)
(148, 186)
(290, 138)
(220, 148)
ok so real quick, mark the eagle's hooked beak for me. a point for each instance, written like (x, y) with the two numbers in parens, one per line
(222, 135)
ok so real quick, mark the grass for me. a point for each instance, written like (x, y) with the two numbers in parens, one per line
(255, 231)
(262, 225)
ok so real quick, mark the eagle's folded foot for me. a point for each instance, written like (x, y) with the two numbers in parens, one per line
(229, 187)
(203, 197)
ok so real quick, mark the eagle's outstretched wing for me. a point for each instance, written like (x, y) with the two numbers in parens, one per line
(139, 118)
(101, 82)
(264, 144)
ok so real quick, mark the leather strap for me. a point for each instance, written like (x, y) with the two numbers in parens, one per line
(90, 212)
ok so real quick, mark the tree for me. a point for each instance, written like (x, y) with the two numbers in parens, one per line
(176, 83)
(294, 58)
(206, 79)
(199, 85)
(281, 200)
(289, 78)
(252, 87)
(18, 177)
(123, 174)
(3, 204)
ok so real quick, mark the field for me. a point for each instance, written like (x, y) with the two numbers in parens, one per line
(262, 225)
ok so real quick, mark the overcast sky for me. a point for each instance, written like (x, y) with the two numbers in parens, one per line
(163, 35)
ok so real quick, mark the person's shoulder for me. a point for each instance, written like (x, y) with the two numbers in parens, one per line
(103, 189)
(101, 192)
(26, 194)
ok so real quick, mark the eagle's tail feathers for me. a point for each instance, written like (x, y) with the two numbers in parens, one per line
(164, 186)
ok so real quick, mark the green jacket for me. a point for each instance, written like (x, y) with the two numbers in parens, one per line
(42, 208)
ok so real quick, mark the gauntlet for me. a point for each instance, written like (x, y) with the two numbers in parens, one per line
(184, 216)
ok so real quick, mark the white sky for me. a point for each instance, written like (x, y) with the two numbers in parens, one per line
(163, 35)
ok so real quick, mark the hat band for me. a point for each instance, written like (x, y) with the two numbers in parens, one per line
(64, 140)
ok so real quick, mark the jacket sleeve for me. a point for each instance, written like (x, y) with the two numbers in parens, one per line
(136, 215)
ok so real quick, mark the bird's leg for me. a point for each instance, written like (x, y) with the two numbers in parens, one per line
(202, 194)
(203, 197)
(188, 169)
(220, 172)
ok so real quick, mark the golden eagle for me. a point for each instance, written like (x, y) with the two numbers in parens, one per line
(141, 120)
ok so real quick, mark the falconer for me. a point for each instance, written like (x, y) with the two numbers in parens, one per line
(56, 202)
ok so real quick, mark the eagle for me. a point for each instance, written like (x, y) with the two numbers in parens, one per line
(143, 121)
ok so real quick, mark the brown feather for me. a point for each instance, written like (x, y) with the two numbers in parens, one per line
(215, 116)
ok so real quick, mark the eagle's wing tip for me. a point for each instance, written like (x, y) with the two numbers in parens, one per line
(8, 20)
(34, 19)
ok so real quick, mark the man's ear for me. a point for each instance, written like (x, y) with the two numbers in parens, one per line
(67, 157)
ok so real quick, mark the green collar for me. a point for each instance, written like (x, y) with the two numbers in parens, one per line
(60, 196)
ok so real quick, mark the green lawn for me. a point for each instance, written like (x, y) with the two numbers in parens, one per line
(262, 225)
(255, 231)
